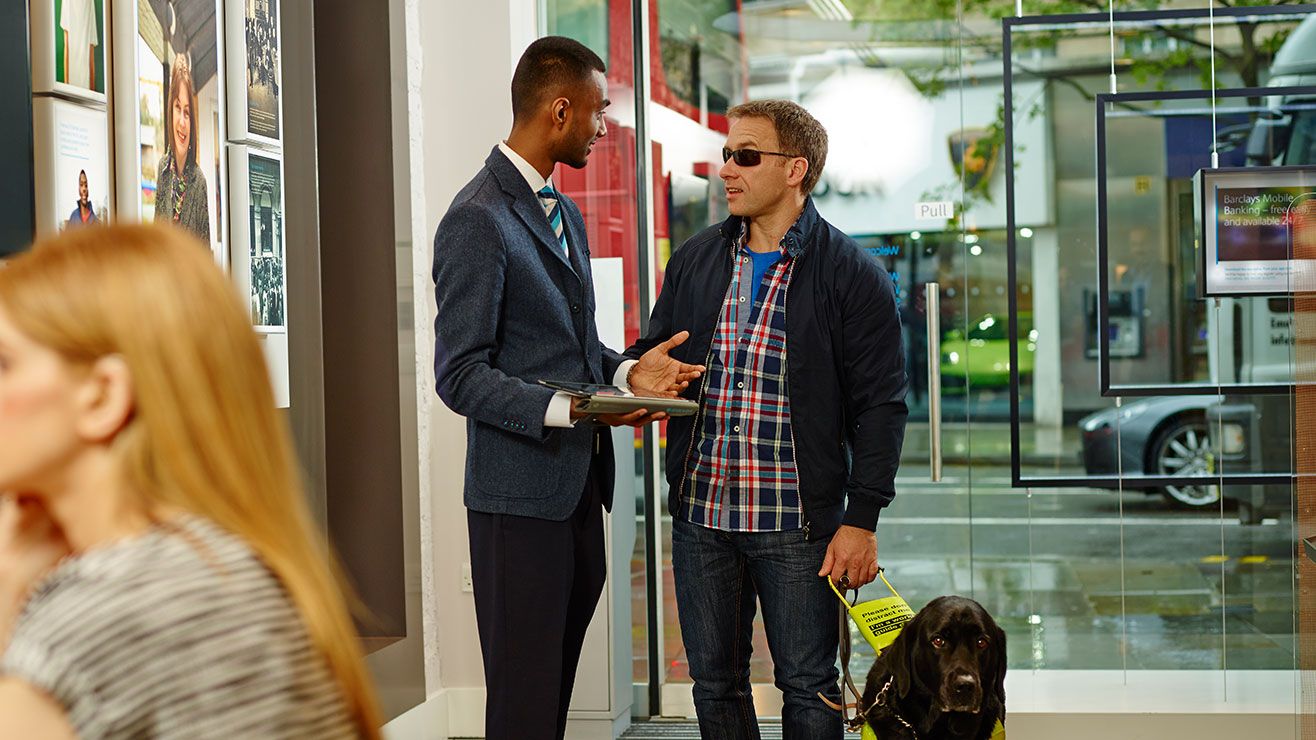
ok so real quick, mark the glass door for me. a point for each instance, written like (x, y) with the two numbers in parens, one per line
(905, 130)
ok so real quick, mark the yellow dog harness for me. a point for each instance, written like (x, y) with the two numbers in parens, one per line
(998, 732)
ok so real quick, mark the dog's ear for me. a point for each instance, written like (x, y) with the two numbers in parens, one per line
(900, 655)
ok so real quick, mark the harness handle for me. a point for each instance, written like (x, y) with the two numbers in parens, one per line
(856, 721)
(881, 573)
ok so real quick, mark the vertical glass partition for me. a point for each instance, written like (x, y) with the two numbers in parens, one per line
(1118, 443)
(906, 125)
(1173, 406)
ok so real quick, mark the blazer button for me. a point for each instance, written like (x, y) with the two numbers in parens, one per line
(575, 308)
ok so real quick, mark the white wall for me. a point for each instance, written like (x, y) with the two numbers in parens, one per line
(459, 61)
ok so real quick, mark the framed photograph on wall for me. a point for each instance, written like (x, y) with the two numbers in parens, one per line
(71, 158)
(69, 48)
(258, 264)
(170, 116)
(255, 72)
(258, 256)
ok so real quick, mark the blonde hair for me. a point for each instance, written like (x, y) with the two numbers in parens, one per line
(204, 436)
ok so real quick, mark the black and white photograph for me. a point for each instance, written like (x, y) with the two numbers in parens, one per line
(262, 31)
(255, 76)
(264, 232)
(257, 260)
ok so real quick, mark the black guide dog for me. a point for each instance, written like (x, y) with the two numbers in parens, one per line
(942, 679)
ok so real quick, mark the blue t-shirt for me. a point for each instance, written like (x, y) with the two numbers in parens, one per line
(762, 261)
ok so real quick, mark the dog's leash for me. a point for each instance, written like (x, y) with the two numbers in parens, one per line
(852, 723)
(860, 718)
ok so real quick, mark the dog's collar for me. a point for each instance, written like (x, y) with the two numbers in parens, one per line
(881, 701)
(998, 730)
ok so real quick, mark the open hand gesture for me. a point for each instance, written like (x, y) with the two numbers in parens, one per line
(657, 374)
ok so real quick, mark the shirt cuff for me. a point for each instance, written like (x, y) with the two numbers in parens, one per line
(558, 414)
(619, 378)
(861, 512)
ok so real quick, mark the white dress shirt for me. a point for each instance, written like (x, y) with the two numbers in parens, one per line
(559, 408)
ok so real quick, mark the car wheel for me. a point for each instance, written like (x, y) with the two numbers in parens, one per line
(1184, 448)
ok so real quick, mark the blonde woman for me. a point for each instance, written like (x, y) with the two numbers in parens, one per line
(160, 576)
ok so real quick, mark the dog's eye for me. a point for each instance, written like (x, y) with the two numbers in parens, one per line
(982, 643)
(938, 641)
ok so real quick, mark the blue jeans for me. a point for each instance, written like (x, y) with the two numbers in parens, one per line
(719, 577)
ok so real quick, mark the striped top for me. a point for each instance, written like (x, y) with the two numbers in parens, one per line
(179, 633)
(742, 474)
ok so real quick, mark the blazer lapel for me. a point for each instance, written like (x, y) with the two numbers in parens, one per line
(525, 204)
(578, 244)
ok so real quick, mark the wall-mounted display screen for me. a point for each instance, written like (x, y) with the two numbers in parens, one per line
(1247, 222)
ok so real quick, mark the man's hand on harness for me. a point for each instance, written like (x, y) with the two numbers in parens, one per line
(851, 559)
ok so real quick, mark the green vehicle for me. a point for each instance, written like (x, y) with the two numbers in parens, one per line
(983, 359)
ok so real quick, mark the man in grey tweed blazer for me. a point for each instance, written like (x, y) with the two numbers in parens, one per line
(516, 305)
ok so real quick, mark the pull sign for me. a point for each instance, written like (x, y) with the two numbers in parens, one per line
(934, 210)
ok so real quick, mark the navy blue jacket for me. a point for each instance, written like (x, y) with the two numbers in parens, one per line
(845, 365)
(512, 310)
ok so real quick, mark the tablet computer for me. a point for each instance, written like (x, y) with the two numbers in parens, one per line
(609, 399)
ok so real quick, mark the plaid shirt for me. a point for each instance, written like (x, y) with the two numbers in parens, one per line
(741, 475)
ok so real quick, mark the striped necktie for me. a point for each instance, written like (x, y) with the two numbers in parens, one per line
(548, 199)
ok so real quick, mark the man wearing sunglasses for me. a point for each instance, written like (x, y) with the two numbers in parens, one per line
(778, 480)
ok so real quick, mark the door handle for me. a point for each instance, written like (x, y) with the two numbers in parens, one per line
(932, 305)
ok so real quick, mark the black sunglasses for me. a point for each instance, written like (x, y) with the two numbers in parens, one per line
(749, 157)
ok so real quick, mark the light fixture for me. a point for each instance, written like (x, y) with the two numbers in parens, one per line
(975, 250)
(915, 235)
(1026, 232)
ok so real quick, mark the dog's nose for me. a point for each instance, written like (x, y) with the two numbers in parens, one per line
(964, 683)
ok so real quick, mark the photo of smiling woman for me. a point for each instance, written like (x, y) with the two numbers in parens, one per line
(180, 195)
